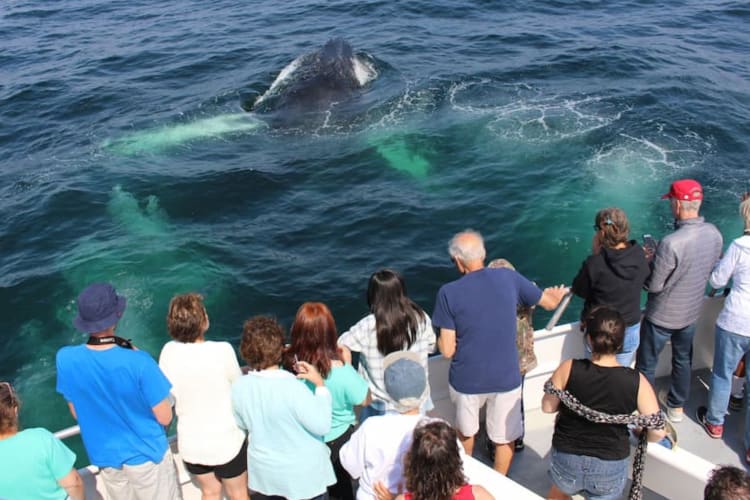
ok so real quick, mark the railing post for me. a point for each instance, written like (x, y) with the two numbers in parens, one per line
(68, 432)
(559, 311)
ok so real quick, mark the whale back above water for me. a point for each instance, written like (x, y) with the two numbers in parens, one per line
(316, 82)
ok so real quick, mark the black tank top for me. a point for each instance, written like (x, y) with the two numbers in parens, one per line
(612, 390)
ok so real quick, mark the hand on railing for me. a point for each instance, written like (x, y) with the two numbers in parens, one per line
(560, 310)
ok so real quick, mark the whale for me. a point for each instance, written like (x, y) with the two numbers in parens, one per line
(326, 91)
(315, 84)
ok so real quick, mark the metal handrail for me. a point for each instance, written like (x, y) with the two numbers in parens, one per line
(559, 311)
(68, 432)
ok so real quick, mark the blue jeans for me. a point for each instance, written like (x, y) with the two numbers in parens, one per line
(653, 340)
(591, 477)
(729, 348)
(629, 345)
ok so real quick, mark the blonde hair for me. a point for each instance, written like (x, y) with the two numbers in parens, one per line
(745, 213)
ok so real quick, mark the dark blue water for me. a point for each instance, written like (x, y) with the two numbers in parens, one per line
(127, 157)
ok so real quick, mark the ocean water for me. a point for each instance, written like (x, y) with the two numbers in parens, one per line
(127, 155)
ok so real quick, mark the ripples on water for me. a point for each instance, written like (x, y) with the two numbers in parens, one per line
(519, 119)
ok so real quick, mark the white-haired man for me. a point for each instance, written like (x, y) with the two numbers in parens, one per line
(476, 315)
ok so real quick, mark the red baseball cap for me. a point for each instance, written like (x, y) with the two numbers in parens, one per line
(685, 190)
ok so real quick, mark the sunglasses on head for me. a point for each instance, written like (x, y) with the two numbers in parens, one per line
(607, 222)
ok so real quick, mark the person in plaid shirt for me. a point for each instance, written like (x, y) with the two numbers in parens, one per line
(395, 323)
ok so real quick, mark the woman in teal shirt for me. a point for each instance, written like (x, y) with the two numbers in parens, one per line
(314, 340)
(35, 464)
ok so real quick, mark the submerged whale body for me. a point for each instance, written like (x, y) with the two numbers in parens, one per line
(317, 82)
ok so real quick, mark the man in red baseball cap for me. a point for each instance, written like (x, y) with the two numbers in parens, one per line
(680, 269)
(685, 190)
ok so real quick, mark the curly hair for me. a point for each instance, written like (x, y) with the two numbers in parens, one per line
(727, 483)
(606, 330)
(614, 226)
(432, 466)
(9, 404)
(187, 318)
(262, 342)
(313, 336)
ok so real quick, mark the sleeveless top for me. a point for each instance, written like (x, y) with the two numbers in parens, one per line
(612, 390)
(464, 493)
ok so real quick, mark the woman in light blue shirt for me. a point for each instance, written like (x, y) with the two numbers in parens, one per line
(286, 422)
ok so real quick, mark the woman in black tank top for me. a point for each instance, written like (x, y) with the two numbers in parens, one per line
(591, 459)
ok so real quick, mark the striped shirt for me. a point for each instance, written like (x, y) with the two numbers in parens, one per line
(363, 338)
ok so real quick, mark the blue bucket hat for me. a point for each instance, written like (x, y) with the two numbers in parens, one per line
(405, 380)
(99, 307)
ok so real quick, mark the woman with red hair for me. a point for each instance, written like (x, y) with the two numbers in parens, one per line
(313, 337)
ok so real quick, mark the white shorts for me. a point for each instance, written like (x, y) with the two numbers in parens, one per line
(503, 417)
(146, 481)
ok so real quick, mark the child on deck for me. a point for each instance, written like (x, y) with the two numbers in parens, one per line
(375, 451)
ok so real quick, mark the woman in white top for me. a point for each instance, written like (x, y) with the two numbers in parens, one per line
(395, 323)
(732, 341)
(212, 446)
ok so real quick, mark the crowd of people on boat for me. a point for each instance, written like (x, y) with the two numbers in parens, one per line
(300, 422)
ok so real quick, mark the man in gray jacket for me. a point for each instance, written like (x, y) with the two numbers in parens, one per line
(680, 270)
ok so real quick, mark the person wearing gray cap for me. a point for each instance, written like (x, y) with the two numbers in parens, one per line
(120, 398)
(375, 451)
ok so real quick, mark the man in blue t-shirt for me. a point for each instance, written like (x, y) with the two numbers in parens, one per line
(120, 398)
(476, 315)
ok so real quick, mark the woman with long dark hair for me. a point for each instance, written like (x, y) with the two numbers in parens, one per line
(313, 337)
(395, 323)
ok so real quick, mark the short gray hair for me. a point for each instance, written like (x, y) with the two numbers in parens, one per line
(745, 212)
(691, 206)
(467, 250)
